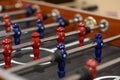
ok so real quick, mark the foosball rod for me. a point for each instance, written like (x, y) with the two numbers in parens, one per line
(45, 39)
(52, 58)
(18, 5)
(42, 40)
(45, 16)
(3, 33)
(69, 52)
(10, 76)
(34, 8)
(99, 68)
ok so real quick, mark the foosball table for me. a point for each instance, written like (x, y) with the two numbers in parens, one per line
(43, 41)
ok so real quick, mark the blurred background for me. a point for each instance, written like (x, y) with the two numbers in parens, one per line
(102, 7)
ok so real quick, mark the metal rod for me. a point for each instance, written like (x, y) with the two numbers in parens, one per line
(67, 34)
(55, 36)
(50, 58)
(22, 45)
(17, 6)
(42, 40)
(19, 46)
(30, 64)
(13, 13)
(107, 64)
(23, 20)
(91, 45)
(73, 77)
(111, 38)
(51, 25)
(49, 38)
(2, 34)
(72, 33)
(100, 67)
(9, 7)
(71, 51)
(9, 75)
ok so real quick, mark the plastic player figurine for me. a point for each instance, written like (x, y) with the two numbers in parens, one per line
(28, 13)
(61, 35)
(39, 14)
(17, 34)
(91, 64)
(6, 45)
(41, 28)
(98, 47)
(36, 44)
(61, 64)
(82, 29)
(61, 21)
(7, 23)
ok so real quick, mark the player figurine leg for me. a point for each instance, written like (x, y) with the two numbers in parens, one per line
(91, 64)
(36, 44)
(98, 47)
(61, 35)
(61, 64)
(6, 45)
(82, 29)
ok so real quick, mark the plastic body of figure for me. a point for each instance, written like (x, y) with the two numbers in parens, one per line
(7, 23)
(61, 63)
(60, 21)
(41, 28)
(91, 64)
(61, 35)
(28, 13)
(82, 29)
(6, 45)
(17, 34)
(98, 48)
(36, 44)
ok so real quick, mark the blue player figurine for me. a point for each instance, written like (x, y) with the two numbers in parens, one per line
(60, 21)
(28, 13)
(61, 64)
(41, 28)
(98, 47)
(17, 34)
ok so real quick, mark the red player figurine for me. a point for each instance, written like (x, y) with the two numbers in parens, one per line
(36, 44)
(91, 64)
(39, 14)
(82, 29)
(7, 23)
(6, 45)
(61, 35)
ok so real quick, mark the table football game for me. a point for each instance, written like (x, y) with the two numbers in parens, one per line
(44, 41)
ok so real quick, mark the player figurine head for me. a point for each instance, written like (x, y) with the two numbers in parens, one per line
(81, 24)
(98, 36)
(60, 46)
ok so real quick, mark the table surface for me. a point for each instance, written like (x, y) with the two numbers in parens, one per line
(73, 63)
